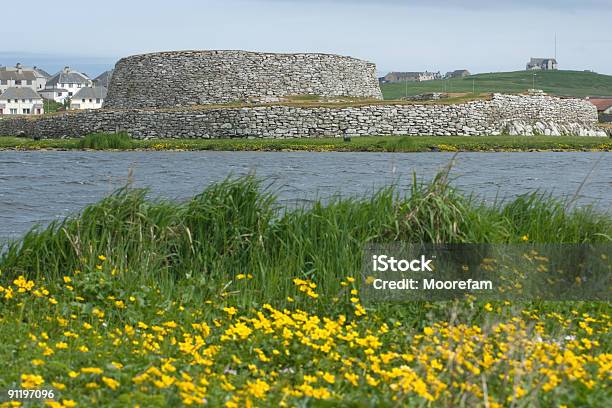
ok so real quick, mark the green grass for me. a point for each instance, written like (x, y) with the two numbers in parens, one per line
(159, 303)
(101, 141)
(233, 228)
(51, 106)
(357, 144)
(563, 83)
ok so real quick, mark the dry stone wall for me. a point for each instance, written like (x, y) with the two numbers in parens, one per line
(182, 78)
(510, 114)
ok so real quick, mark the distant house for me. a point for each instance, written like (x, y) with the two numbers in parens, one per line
(88, 98)
(604, 106)
(70, 80)
(547, 64)
(458, 73)
(393, 77)
(20, 76)
(54, 94)
(104, 78)
(21, 101)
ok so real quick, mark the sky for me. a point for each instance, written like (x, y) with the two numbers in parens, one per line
(408, 35)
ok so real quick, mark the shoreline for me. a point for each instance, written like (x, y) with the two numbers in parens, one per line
(363, 144)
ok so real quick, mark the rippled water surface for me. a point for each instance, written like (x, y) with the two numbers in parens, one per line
(37, 187)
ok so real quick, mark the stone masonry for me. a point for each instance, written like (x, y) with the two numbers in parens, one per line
(511, 114)
(184, 78)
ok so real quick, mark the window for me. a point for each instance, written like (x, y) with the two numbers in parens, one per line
(3, 82)
(13, 111)
(26, 111)
(18, 82)
(23, 100)
(29, 100)
(38, 112)
(29, 82)
(91, 100)
(97, 100)
(82, 100)
(1, 111)
(59, 94)
(69, 93)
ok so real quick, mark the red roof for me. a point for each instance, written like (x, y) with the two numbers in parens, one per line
(602, 104)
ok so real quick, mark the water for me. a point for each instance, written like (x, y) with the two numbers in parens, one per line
(37, 187)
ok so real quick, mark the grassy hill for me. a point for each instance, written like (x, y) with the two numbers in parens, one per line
(563, 83)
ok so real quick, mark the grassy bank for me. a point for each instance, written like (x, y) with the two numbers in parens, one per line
(229, 299)
(357, 144)
(563, 83)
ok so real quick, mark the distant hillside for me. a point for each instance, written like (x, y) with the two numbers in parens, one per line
(563, 83)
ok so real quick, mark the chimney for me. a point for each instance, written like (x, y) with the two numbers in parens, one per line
(18, 67)
(66, 70)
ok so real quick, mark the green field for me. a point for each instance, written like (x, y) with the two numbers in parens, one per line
(230, 299)
(357, 144)
(562, 83)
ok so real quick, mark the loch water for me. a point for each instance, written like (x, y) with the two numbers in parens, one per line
(39, 186)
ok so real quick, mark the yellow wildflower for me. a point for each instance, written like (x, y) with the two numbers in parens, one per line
(31, 381)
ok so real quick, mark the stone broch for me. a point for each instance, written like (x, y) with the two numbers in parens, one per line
(182, 78)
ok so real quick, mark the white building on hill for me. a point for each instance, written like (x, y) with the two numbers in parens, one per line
(88, 98)
(547, 64)
(21, 101)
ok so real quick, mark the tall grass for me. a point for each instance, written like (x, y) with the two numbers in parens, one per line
(104, 141)
(234, 227)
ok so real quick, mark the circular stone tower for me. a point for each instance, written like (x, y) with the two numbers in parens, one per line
(183, 78)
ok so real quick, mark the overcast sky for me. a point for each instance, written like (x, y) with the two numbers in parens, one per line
(409, 35)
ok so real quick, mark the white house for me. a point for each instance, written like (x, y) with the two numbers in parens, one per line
(20, 76)
(21, 101)
(88, 98)
(393, 77)
(56, 94)
(70, 80)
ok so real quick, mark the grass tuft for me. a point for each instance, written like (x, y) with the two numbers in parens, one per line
(105, 141)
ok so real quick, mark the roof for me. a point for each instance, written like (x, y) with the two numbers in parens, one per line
(541, 60)
(42, 72)
(12, 74)
(104, 78)
(90, 93)
(53, 90)
(67, 76)
(601, 104)
(19, 93)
